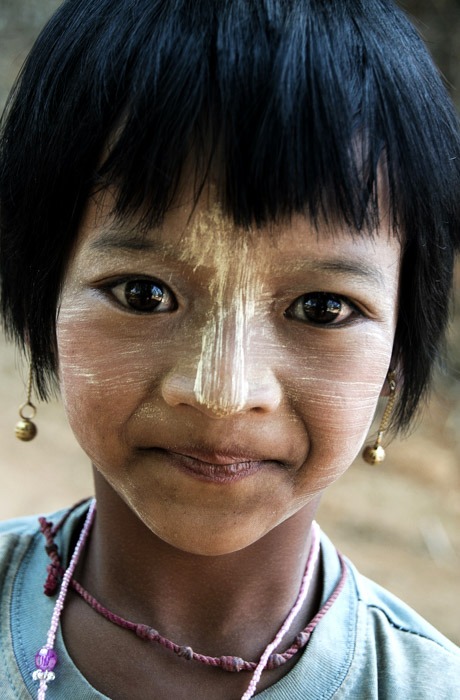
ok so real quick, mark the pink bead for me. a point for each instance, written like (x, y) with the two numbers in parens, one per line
(276, 660)
(302, 639)
(46, 659)
(231, 663)
(186, 653)
(146, 632)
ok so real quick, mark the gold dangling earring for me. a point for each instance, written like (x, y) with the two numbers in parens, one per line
(25, 428)
(374, 454)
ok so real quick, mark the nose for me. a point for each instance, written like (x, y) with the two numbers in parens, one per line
(232, 373)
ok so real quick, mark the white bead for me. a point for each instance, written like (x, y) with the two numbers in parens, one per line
(39, 675)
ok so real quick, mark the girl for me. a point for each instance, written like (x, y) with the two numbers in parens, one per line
(226, 229)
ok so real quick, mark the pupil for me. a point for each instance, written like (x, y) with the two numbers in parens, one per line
(143, 296)
(322, 308)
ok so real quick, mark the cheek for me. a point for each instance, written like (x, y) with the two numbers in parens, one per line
(104, 373)
(336, 396)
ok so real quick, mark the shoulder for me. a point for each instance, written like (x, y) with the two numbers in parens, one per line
(21, 536)
(16, 541)
(398, 651)
(27, 527)
(23, 607)
(368, 645)
(12, 530)
(17, 535)
(383, 605)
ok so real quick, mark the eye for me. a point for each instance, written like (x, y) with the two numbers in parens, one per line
(322, 308)
(143, 295)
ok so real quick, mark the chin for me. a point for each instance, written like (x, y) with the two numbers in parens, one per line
(209, 544)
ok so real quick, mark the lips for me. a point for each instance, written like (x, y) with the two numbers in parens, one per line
(216, 467)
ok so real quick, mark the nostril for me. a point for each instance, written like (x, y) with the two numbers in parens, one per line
(261, 395)
(225, 376)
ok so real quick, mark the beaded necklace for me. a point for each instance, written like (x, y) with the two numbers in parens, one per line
(46, 658)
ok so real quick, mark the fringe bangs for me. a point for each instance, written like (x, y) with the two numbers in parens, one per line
(301, 106)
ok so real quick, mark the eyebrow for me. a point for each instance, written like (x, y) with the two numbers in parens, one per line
(135, 241)
(348, 267)
(121, 239)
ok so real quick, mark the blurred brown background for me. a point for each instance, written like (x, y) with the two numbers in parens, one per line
(400, 522)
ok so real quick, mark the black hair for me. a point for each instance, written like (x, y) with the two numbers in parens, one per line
(301, 101)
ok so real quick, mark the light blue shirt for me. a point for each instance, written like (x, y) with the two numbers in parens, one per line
(369, 645)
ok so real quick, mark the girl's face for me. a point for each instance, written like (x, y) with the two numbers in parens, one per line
(220, 379)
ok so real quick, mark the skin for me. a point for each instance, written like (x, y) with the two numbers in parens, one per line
(227, 365)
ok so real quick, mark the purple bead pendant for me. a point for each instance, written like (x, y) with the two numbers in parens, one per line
(45, 661)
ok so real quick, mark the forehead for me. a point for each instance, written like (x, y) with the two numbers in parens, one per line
(201, 235)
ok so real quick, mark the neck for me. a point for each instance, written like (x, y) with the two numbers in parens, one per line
(232, 603)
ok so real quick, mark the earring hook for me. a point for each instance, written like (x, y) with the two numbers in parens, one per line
(375, 454)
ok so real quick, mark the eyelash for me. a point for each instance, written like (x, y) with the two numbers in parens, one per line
(160, 294)
(320, 302)
(314, 303)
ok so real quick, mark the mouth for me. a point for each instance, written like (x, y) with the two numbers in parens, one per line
(218, 468)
